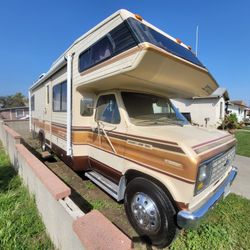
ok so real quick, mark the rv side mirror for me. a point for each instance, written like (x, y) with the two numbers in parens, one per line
(87, 106)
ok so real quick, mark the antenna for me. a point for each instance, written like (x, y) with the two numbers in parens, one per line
(197, 40)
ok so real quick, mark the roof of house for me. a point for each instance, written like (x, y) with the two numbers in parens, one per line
(14, 108)
(218, 93)
(239, 103)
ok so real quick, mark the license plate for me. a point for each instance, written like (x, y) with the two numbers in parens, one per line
(227, 190)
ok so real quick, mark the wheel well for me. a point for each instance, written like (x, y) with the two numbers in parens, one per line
(41, 135)
(131, 174)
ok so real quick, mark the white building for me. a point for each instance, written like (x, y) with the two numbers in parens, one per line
(206, 111)
(239, 108)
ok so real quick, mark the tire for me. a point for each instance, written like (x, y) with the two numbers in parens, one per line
(150, 212)
(42, 142)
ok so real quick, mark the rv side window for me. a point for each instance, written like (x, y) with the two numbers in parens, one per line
(47, 89)
(115, 42)
(87, 106)
(60, 97)
(100, 51)
(84, 60)
(107, 110)
(32, 104)
(64, 96)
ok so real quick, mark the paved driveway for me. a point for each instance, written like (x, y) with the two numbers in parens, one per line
(241, 184)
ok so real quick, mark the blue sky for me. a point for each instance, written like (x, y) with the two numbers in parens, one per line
(35, 33)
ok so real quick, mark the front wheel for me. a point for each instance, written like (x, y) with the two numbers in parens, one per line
(150, 212)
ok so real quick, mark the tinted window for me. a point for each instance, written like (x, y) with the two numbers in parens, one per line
(57, 97)
(116, 41)
(47, 94)
(64, 96)
(101, 50)
(84, 60)
(146, 34)
(60, 97)
(32, 104)
(87, 105)
(107, 109)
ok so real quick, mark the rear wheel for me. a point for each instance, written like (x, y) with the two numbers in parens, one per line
(150, 212)
(42, 141)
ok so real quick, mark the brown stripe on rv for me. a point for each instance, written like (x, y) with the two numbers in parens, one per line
(207, 142)
(212, 145)
(154, 144)
(153, 158)
(216, 151)
(149, 167)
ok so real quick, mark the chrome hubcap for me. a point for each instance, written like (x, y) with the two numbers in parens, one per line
(145, 212)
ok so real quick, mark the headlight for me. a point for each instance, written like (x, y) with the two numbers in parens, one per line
(202, 178)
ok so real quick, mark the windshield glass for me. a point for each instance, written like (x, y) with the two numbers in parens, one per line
(146, 109)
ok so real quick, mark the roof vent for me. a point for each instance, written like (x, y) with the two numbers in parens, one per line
(42, 75)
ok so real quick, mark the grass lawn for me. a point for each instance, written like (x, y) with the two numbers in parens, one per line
(243, 145)
(20, 225)
(226, 227)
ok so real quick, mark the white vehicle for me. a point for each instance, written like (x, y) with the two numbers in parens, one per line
(104, 108)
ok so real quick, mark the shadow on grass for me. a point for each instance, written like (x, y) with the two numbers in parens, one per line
(7, 173)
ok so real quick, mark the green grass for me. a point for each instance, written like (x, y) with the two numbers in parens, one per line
(90, 186)
(246, 128)
(243, 145)
(226, 227)
(20, 225)
(103, 204)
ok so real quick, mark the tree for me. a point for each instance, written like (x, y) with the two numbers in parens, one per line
(12, 101)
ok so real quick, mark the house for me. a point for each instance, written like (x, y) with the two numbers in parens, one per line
(239, 108)
(205, 111)
(15, 113)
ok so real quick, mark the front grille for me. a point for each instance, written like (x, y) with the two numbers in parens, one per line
(221, 164)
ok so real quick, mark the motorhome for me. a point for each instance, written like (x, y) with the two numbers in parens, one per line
(103, 107)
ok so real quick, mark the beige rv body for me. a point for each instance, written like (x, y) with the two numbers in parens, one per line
(169, 154)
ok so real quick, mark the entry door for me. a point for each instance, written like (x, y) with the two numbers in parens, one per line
(108, 157)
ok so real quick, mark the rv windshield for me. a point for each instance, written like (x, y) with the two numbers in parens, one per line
(147, 110)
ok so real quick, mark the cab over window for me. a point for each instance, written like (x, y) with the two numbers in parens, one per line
(107, 110)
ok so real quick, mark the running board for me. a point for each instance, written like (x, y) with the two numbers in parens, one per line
(116, 191)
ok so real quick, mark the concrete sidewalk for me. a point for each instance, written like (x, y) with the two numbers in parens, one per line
(241, 184)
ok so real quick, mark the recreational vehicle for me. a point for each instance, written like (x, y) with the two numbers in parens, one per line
(103, 107)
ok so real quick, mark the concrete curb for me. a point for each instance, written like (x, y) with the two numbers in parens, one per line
(66, 224)
(96, 232)
(56, 187)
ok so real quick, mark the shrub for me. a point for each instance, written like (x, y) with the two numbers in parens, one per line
(230, 122)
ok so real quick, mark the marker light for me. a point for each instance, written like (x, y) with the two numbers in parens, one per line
(138, 17)
(178, 40)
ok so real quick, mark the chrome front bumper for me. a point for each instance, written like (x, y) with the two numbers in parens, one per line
(187, 219)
